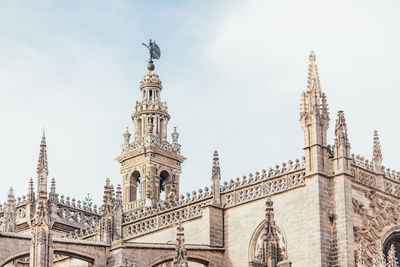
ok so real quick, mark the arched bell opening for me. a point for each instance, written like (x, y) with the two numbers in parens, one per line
(134, 189)
(164, 179)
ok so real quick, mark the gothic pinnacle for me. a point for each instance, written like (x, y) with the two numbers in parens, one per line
(341, 128)
(216, 171)
(216, 180)
(313, 83)
(42, 162)
(11, 194)
(377, 152)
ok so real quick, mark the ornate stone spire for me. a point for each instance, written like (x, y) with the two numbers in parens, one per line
(52, 194)
(377, 152)
(107, 196)
(272, 253)
(216, 179)
(42, 162)
(341, 129)
(313, 83)
(180, 259)
(314, 117)
(392, 259)
(42, 172)
(31, 192)
(270, 226)
(10, 213)
(341, 148)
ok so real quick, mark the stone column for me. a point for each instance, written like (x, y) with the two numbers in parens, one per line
(41, 252)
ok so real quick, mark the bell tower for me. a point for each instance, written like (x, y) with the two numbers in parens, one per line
(150, 164)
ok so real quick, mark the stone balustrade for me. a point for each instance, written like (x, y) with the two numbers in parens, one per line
(365, 173)
(134, 205)
(151, 141)
(187, 207)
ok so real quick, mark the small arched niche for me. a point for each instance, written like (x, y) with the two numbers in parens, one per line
(257, 247)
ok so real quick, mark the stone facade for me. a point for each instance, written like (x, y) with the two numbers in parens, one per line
(330, 208)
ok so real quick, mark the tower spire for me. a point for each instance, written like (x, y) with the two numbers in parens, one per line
(42, 162)
(341, 148)
(377, 152)
(216, 179)
(314, 117)
(313, 83)
(42, 172)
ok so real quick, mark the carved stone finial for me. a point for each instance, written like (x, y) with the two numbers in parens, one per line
(175, 136)
(392, 259)
(42, 162)
(377, 152)
(216, 179)
(127, 136)
(11, 197)
(31, 193)
(341, 131)
(119, 192)
(313, 83)
(52, 195)
(271, 253)
(180, 259)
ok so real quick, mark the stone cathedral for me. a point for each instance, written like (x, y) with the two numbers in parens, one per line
(329, 208)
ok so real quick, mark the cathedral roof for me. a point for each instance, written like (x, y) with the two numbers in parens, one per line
(150, 79)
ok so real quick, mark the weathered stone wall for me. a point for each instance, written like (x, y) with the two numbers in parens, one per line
(290, 215)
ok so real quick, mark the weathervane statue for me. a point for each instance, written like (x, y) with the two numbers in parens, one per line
(154, 52)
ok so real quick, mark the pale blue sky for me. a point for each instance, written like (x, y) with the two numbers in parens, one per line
(232, 73)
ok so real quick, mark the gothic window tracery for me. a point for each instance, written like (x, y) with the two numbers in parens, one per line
(392, 240)
(268, 243)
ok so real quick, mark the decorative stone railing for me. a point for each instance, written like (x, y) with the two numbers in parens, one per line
(148, 219)
(147, 106)
(256, 189)
(76, 205)
(365, 173)
(151, 141)
(164, 219)
(83, 234)
(70, 210)
(134, 205)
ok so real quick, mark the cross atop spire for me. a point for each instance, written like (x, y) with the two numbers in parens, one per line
(42, 162)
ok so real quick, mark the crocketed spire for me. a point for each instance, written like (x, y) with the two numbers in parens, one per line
(180, 259)
(216, 179)
(341, 129)
(42, 162)
(313, 83)
(377, 152)
(313, 99)
(314, 118)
